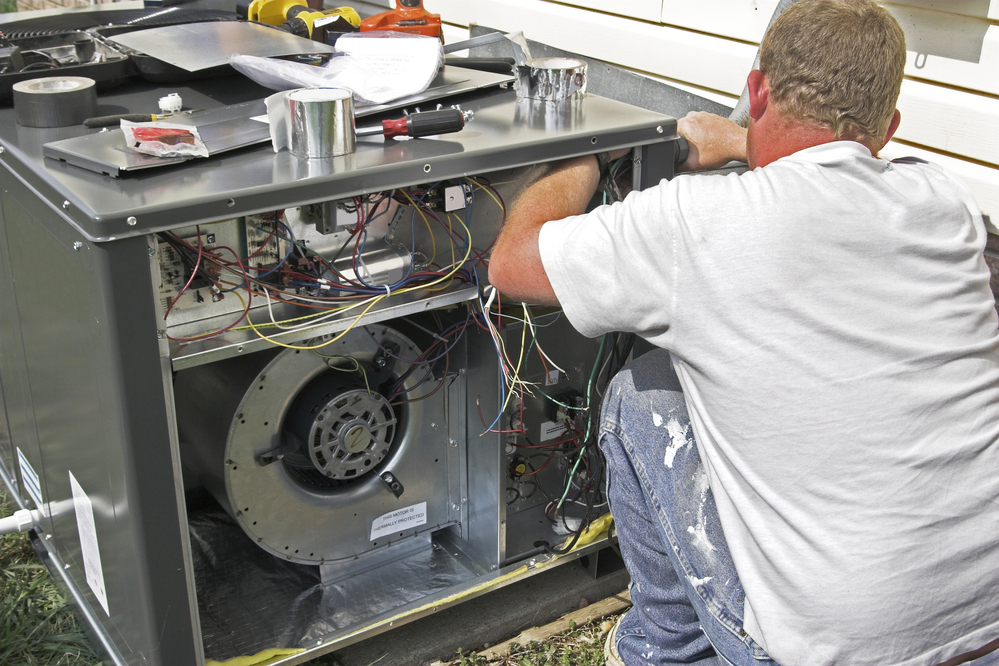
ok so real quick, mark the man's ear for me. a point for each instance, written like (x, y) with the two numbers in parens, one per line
(759, 93)
(892, 126)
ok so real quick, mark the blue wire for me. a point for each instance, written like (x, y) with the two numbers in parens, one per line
(291, 246)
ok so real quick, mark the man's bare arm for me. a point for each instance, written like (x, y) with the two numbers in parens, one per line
(515, 266)
(714, 141)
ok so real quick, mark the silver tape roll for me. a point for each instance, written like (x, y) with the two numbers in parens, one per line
(55, 101)
(548, 116)
(322, 122)
(551, 79)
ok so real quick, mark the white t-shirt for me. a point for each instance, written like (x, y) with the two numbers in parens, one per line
(831, 324)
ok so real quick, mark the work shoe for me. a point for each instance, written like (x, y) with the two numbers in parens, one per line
(611, 657)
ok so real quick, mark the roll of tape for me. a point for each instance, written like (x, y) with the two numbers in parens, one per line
(54, 101)
(551, 79)
(322, 122)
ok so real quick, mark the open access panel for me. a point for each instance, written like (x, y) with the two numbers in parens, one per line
(260, 402)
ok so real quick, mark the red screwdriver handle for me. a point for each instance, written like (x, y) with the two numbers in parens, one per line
(426, 123)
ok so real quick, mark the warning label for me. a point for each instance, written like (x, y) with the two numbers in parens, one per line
(551, 430)
(92, 568)
(399, 521)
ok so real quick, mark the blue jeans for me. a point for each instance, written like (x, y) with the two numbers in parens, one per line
(686, 595)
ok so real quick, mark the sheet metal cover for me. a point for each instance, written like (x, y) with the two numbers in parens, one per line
(197, 46)
(222, 129)
(230, 127)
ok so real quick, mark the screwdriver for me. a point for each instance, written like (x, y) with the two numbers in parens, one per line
(425, 123)
(111, 121)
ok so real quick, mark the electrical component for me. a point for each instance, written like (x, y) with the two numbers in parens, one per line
(457, 197)
(306, 451)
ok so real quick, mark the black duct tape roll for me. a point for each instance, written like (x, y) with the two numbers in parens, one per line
(55, 101)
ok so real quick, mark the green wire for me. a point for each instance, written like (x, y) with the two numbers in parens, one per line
(589, 422)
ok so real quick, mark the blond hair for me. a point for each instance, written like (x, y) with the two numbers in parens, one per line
(837, 63)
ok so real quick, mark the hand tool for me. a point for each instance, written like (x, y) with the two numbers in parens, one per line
(426, 123)
(296, 17)
(408, 16)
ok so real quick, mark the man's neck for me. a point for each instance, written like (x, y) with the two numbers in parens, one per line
(778, 136)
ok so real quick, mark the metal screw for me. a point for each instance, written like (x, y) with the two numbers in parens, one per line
(131, 221)
(77, 246)
(434, 425)
(66, 205)
(532, 563)
(160, 334)
(464, 499)
(65, 566)
(659, 129)
(48, 537)
(2, 150)
(454, 507)
(452, 442)
(637, 161)
(152, 252)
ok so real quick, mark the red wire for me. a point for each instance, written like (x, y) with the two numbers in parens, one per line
(194, 273)
(246, 308)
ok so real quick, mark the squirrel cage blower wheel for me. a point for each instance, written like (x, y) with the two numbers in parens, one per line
(307, 453)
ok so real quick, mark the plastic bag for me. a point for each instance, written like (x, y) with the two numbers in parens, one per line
(163, 139)
(378, 67)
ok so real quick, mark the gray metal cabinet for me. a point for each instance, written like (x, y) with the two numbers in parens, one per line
(110, 415)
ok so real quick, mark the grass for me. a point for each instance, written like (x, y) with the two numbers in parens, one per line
(580, 646)
(37, 626)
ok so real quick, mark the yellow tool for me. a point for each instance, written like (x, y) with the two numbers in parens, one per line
(296, 17)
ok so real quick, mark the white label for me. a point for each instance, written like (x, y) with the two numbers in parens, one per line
(552, 378)
(30, 480)
(551, 430)
(88, 543)
(400, 520)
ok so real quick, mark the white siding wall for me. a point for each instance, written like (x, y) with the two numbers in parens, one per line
(949, 100)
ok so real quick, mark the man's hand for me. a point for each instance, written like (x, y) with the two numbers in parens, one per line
(714, 141)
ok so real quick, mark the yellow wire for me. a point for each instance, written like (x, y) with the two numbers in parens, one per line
(433, 241)
(487, 191)
(357, 366)
(405, 290)
(319, 346)
(516, 372)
